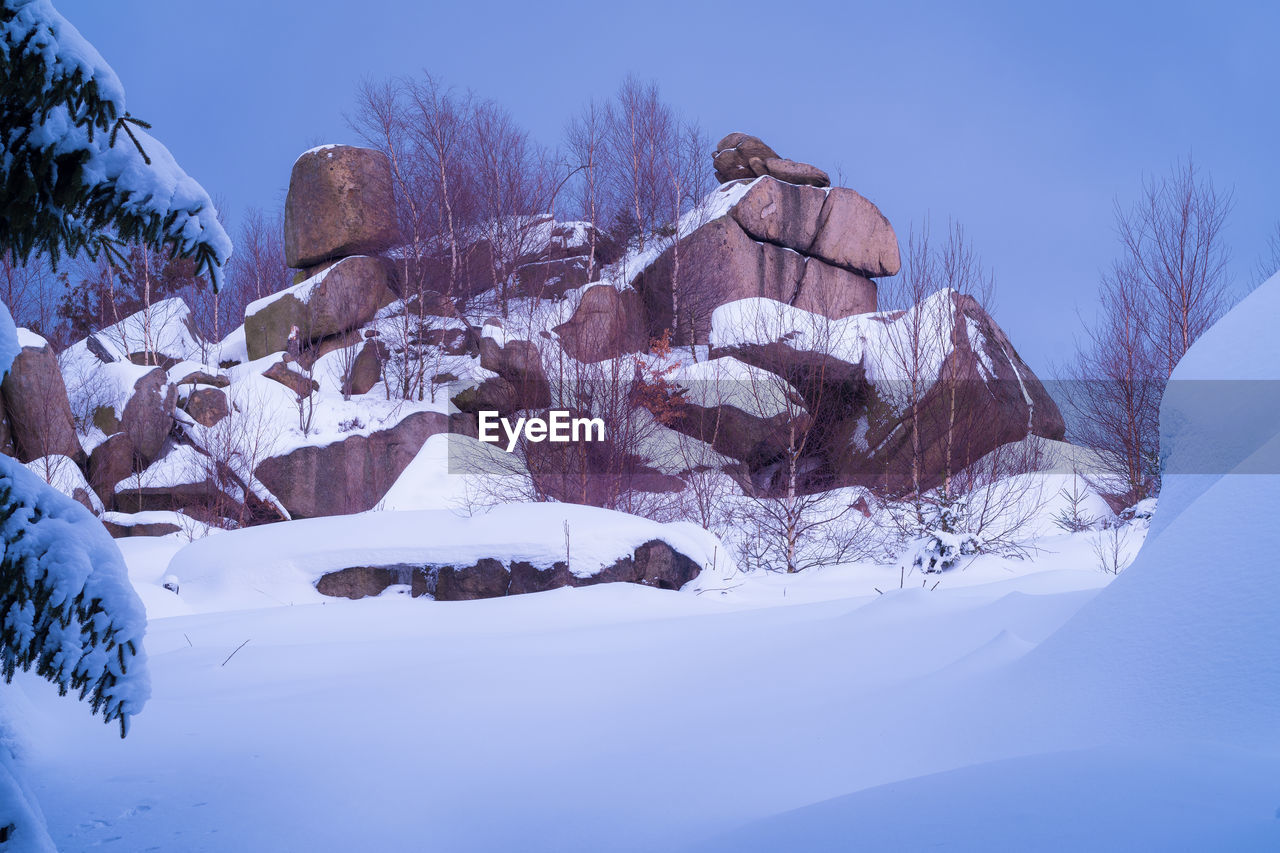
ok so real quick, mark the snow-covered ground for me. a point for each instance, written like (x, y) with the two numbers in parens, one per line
(1019, 705)
(610, 717)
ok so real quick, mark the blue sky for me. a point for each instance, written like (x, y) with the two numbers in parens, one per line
(1024, 121)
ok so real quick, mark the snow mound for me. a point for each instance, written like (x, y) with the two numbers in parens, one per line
(290, 557)
(1187, 637)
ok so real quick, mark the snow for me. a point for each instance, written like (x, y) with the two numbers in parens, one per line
(289, 557)
(300, 291)
(28, 338)
(10, 344)
(181, 465)
(878, 341)
(165, 328)
(452, 472)
(726, 381)
(1030, 702)
(329, 146)
(55, 547)
(65, 476)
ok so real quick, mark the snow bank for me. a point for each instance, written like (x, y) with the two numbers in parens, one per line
(1188, 633)
(289, 557)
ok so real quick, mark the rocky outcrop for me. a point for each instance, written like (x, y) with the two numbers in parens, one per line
(343, 298)
(740, 156)
(350, 475)
(340, 203)
(655, 563)
(721, 263)
(975, 394)
(36, 404)
(607, 323)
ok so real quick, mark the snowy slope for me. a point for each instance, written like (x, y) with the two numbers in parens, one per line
(1148, 720)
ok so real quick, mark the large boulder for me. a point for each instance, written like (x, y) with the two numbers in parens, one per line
(341, 298)
(607, 323)
(776, 212)
(854, 234)
(207, 406)
(834, 292)
(974, 392)
(110, 462)
(717, 263)
(148, 415)
(35, 401)
(742, 156)
(837, 226)
(366, 368)
(340, 203)
(350, 475)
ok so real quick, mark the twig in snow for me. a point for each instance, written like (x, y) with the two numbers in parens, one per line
(233, 654)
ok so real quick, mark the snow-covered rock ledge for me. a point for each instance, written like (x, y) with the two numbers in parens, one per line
(511, 549)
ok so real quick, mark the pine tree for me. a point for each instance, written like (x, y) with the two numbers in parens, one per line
(78, 173)
(943, 542)
(66, 608)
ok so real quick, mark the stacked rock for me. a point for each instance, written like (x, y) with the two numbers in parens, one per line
(740, 155)
(788, 236)
(339, 213)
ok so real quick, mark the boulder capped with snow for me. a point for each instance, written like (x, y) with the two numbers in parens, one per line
(340, 203)
(162, 334)
(817, 249)
(961, 387)
(350, 474)
(509, 549)
(339, 299)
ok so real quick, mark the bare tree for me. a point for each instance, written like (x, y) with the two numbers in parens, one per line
(1113, 392)
(514, 182)
(1269, 261)
(690, 180)
(586, 138)
(1168, 285)
(641, 133)
(793, 518)
(1174, 253)
(29, 291)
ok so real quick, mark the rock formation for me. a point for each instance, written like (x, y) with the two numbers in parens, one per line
(350, 475)
(655, 563)
(784, 236)
(340, 203)
(740, 155)
(343, 297)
